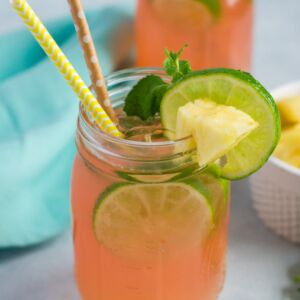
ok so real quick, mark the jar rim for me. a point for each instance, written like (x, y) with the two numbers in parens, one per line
(86, 120)
(110, 148)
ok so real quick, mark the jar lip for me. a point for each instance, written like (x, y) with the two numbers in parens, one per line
(136, 70)
(86, 121)
(83, 120)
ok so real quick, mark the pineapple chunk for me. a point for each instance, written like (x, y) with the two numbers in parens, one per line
(288, 148)
(186, 120)
(289, 110)
(216, 129)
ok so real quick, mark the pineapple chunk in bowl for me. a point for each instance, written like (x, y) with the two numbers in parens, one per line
(288, 148)
(276, 187)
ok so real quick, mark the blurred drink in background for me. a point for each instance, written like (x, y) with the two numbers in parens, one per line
(218, 32)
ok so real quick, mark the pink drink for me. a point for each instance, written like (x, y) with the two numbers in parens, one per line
(214, 41)
(182, 269)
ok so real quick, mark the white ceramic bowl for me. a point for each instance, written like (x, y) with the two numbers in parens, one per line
(276, 187)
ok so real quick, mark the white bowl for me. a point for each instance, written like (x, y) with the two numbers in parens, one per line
(276, 187)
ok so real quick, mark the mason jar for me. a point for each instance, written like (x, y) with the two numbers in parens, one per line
(148, 223)
(218, 33)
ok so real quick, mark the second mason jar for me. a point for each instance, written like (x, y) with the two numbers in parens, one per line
(218, 32)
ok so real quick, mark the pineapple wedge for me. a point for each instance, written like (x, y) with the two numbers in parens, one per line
(289, 109)
(215, 129)
(288, 148)
(186, 120)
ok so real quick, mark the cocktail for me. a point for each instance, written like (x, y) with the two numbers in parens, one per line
(150, 211)
(219, 32)
(148, 223)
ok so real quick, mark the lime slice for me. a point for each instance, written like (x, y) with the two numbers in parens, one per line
(237, 89)
(214, 6)
(181, 173)
(145, 221)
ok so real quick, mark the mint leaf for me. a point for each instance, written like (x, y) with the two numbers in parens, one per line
(145, 97)
(214, 6)
(159, 92)
(185, 67)
(174, 67)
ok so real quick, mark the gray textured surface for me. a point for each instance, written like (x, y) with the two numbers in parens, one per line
(260, 265)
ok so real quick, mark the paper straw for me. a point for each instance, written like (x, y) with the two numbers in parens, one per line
(65, 67)
(90, 55)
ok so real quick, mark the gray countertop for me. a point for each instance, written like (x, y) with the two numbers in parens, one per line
(260, 264)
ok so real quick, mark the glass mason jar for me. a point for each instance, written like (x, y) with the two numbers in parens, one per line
(219, 34)
(148, 223)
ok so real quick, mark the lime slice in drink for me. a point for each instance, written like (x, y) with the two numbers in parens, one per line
(141, 178)
(241, 91)
(146, 221)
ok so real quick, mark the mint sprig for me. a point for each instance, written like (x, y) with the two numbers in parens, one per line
(145, 97)
(214, 6)
(174, 67)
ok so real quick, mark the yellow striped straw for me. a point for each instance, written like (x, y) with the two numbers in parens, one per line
(45, 40)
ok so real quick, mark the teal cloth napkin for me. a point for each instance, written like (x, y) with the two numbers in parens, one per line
(38, 114)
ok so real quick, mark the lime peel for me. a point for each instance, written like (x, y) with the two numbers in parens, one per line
(231, 88)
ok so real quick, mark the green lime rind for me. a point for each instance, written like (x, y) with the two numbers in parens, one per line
(226, 188)
(214, 6)
(153, 178)
(105, 194)
(187, 172)
(185, 175)
(214, 170)
(127, 176)
(238, 89)
(161, 178)
(199, 187)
